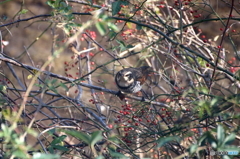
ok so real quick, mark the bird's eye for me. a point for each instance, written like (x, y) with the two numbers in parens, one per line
(128, 75)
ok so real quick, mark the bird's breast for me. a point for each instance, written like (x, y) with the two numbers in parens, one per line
(131, 88)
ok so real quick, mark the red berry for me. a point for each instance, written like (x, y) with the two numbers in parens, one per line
(162, 6)
(91, 54)
(232, 69)
(195, 16)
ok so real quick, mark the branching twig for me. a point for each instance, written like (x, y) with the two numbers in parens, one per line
(77, 81)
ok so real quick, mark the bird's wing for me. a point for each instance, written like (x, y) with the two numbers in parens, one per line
(143, 73)
(139, 76)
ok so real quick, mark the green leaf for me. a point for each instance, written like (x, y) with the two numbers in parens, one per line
(45, 156)
(193, 148)
(61, 148)
(51, 132)
(58, 140)
(121, 43)
(114, 139)
(3, 88)
(117, 154)
(100, 27)
(129, 46)
(201, 62)
(116, 7)
(112, 26)
(32, 132)
(19, 154)
(74, 24)
(95, 137)
(229, 139)
(112, 34)
(79, 135)
(57, 3)
(220, 134)
(51, 149)
(23, 11)
(203, 89)
(162, 141)
(51, 3)
(207, 136)
(213, 101)
(63, 86)
(63, 5)
(125, 3)
(214, 145)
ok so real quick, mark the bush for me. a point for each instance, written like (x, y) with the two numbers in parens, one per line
(58, 93)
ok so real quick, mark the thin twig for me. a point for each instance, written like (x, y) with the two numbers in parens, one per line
(77, 81)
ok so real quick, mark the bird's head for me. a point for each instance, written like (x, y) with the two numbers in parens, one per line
(124, 78)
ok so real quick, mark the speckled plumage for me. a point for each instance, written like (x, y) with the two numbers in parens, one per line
(130, 80)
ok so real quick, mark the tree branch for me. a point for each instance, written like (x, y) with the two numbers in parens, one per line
(14, 62)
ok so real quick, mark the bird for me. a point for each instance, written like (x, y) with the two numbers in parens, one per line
(130, 80)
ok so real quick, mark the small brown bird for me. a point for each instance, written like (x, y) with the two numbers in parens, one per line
(130, 80)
